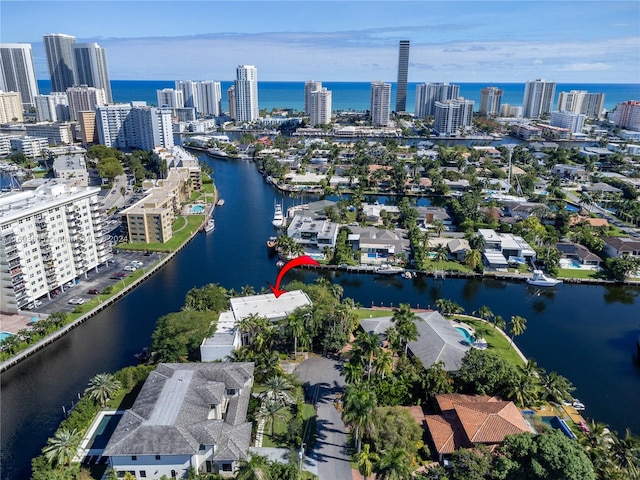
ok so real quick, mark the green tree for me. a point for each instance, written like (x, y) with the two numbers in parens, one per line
(256, 467)
(211, 298)
(556, 388)
(470, 464)
(178, 335)
(359, 404)
(366, 460)
(278, 388)
(102, 387)
(393, 465)
(405, 323)
(395, 428)
(368, 345)
(437, 380)
(483, 372)
(271, 411)
(518, 326)
(62, 447)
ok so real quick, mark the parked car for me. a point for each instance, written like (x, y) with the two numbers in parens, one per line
(37, 303)
(136, 263)
(76, 301)
(70, 284)
(93, 291)
(129, 268)
(123, 274)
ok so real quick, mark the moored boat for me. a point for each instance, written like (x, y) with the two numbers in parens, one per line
(272, 243)
(388, 270)
(211, 224)
(278, 217)
(539, 279)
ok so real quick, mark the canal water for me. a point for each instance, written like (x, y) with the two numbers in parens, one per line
(586, 333)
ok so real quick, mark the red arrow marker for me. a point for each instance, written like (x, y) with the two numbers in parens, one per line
(304, 260)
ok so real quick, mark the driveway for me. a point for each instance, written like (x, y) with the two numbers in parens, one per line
(323, 380)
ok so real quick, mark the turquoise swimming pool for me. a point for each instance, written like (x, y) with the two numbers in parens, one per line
(5, 335)
(197, 209)
(103, 432)
(466, 336)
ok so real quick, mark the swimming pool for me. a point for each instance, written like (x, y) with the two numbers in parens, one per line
(197, 209)
(570, 263)
(103, 432)
(464, 333)
(5, 335)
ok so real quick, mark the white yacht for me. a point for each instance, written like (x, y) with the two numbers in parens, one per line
(539, 279)
(278, 217)
(211, 224)
(388, 269)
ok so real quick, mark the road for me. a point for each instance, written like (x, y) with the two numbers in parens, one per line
(323, 381)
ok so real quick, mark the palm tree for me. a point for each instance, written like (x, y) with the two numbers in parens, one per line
(255, 468)
(405, 321)
(394, 465)
(393, 339)
(369, 346)
(278, 388)
(485, 313)
(271, 411)
(366, 459)
(438, 227)
(294, 326)
(102, 388)
(625, 454)
(473, 258)
(440, 254)
(518, 326)
(383, 364)
(359, 404)
(556, 387)
(62, 447)
(353, 372)
(477, 242)
(523, 391)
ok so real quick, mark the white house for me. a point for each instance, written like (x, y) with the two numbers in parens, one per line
(186, 415)
(499, 247)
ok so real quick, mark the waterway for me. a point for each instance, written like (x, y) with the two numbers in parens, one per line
(586, 333)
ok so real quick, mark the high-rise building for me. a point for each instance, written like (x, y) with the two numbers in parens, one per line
(581, 101)
(91, 67)
(570, 120)
(451, 116)
(380, 103)
(538, 98)
(88, 132)
(126, 126)
(320, 107)
(209, 98)
(246, 94)
(627, 115)
(428, 94)
(53, 107)
(50, 235)
(490, 99)
(83, 99)
(10, 107)
(61, 60)
(189, 91)
(231, 98)
(403, 73)
(17, 73)
(310, 86)
(513, 111)
(170, 98)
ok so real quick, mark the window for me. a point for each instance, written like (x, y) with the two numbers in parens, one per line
(174, 474)
(226, 467)
(157, 457)
(143, 473)
(134, 457)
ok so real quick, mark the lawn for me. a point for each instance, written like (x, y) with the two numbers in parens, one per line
(447, 266)
(208, 188)
(181, 232)
(280, 429)
(578, 273)
(498, 344)
(371, 313)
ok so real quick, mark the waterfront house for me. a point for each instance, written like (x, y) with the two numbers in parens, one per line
(579, 253)
(313, 234)
(438, 340)
(620, 246)
(469, 420)
(227, 336)
(379, 246)
(499, 247)
(187, 415)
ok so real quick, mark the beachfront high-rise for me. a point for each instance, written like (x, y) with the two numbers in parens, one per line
(84, 99)
(538, 98)
(452, 116)
(320, 107)
(125, 126)
(581, 101)
(310, 86)
(569, 120)
(61, 61)
(246, 94)
(627, 115)
(490, 99)
(170, 98)
(209, 98)
(428, 94)
(403, 73)
(17, 73)
(91, 67)
(380, 103)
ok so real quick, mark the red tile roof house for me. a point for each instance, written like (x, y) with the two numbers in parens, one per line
(470, 420)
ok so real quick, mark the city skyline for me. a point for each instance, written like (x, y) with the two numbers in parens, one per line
(566, 41)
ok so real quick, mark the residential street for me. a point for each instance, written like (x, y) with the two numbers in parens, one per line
(322, 382)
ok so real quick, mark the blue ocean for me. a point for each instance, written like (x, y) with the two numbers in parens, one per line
(355, 95)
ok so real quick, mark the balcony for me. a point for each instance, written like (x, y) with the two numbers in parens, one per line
(14, 263)
(12, 253)
(15, 271)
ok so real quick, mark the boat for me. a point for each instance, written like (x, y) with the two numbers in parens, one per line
(220, 202)
(211, 224)
(280, 263)
(539, 279)
(272, 243)
(217, 153)
(388, 270)
(278, 217)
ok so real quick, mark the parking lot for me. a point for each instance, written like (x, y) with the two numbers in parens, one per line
(96, 281)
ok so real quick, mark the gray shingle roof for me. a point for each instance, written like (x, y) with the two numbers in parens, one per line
(170, 414)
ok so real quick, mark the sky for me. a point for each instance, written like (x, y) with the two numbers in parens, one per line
(577, 41)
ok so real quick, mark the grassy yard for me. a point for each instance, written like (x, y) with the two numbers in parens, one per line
(182, 230)
(208, 188)
(578, 273)
(370, 313)
(498, 344)
(280, 429)
(195, 195)
(449, 266)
